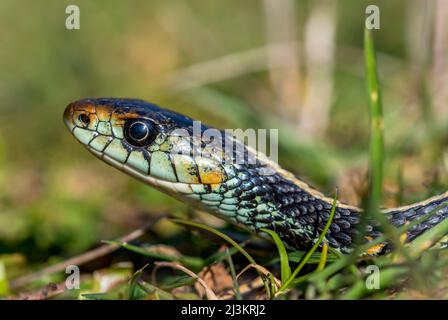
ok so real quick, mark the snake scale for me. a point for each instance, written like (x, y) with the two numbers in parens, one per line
(159, 147)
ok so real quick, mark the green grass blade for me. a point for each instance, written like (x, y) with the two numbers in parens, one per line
(323, 259)
(133, 283)
(315, 246)
(233, 274)
(376, 153)
(297, 256)
(219, 234)
(388, 278)
(97, 296)
(4, 287)
(220, 256)
(283, 254)
(170, 283)
(376, 143)
(428, 238)
(320, 266)
(155, 292)
(191, 262)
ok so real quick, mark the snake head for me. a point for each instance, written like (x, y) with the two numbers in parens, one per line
(155, 145)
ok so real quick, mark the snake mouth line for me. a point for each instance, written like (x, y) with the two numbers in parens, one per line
(172, 187)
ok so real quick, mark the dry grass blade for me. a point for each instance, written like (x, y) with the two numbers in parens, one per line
(49, 291)
(228, 239)
(217, 277)
(280, 20)
(440, 65)
(319, 48)
(82, 258)
(208, 292)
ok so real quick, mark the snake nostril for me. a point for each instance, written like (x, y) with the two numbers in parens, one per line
(84, 119)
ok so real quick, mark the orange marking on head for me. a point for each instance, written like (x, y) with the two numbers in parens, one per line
(120, 118)
(212, 177)
(103, 112)
(127, 115)
(89, 107)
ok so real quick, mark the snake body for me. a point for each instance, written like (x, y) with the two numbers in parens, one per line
(160, 148)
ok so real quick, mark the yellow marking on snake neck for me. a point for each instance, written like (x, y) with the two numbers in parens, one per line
(212, 177)
(375, 249)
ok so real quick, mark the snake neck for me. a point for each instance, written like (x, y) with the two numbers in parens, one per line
(286, 205)
(298, 213)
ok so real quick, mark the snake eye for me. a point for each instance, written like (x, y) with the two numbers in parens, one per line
(84, 119)
(140, 133)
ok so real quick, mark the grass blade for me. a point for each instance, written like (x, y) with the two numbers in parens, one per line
(232, 242)
(376, 154)
(233, 274)
(219, 234)
(297, 256)
(429, 238)
(191, 262)
(315, 246)
(323, 259)
(284, 259)
(376, 143)
(133, 283)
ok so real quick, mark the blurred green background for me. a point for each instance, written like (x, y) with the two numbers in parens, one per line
(292, 65)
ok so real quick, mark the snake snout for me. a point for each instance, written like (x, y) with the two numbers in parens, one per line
(78, 113)
(68, 116)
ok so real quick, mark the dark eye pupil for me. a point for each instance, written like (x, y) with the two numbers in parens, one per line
(138, 131)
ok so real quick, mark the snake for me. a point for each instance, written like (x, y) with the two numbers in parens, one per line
(192, 162)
